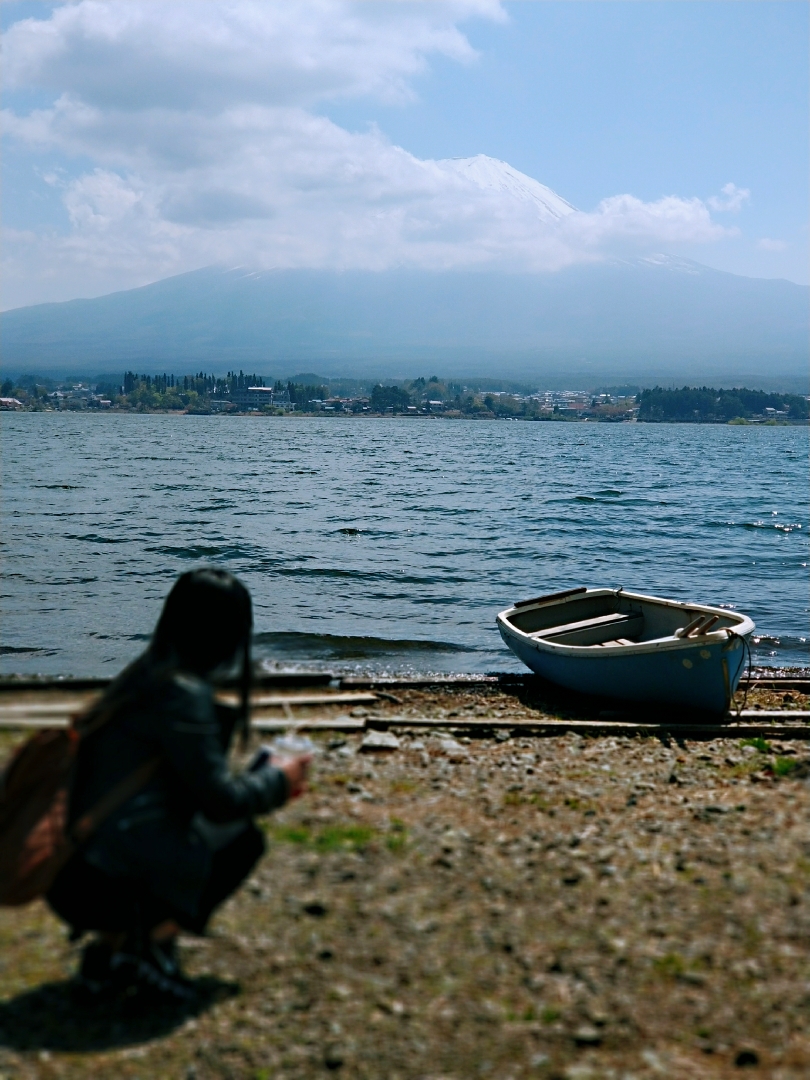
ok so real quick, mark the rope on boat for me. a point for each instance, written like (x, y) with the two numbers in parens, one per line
(747, 667)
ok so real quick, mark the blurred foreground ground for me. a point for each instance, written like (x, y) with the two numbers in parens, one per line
(506, 907)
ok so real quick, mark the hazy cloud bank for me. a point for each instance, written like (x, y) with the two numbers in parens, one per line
(200, 124)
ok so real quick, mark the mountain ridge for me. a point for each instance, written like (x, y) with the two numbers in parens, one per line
(662, 316)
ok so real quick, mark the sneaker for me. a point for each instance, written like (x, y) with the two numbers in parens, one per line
(96, 974)
(152, 967)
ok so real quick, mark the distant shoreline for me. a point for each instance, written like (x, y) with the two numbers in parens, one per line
(242, 394)
(338, 416)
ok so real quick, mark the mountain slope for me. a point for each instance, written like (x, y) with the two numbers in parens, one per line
(499, 177)
(642, 319)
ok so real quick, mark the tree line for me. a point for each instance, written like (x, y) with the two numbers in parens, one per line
(705, 405)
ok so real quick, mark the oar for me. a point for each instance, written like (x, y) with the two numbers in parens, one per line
(685, 631)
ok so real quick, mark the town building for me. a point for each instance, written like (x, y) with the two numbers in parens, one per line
(252, 397)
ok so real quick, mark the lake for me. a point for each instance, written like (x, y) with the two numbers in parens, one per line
(387, 544)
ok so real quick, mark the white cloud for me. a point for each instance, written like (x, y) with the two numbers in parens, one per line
(183, 54)
(733, 200)
(772, 245)
(670, 220)
(199, 119)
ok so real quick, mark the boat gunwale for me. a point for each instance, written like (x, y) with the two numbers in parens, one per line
(744, 626)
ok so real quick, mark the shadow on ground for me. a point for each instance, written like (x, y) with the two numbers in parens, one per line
(56, 1016)
(535, 693)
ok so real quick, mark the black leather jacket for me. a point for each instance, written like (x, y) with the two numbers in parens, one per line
(150, 838)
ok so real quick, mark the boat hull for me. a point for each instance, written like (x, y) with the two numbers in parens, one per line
(700, 674)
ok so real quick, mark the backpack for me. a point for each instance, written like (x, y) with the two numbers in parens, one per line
(35, 787)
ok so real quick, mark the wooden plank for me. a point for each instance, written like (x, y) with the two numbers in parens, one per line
(801, 686)
(580, 633)
(47, 709)
(336, 723)
(597, 729)
(42, 708)
(278, 701)
(775, 714)
(333, 723)
(548, 728)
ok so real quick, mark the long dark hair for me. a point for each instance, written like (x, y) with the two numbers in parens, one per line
(206, 621)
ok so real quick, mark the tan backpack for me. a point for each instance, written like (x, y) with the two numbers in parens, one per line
(35, 786)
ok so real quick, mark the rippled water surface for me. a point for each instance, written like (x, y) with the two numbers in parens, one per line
(387, 544)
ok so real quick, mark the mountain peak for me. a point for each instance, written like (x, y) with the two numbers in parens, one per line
(499, 177)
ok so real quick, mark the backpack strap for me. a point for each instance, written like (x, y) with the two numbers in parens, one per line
(85, 724)
(115, 797)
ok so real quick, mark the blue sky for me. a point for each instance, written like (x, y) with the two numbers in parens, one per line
(144, 139)
(650, 98)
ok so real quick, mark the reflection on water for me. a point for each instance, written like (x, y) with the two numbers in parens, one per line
(387, 544)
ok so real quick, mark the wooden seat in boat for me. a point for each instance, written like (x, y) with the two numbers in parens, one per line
(604, 629)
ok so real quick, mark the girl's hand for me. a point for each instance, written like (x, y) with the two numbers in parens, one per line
(296, 769)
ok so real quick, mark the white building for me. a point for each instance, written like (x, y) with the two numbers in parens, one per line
(253, 397)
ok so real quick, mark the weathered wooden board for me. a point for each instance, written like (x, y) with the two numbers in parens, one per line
(278, 701)
(334, 723)
(52, 711)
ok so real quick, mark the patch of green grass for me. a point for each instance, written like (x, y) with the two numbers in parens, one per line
(404, 787)
(671, 966)
(744, 768)
(758, 743)
(784, 766)
(549, 1014)
(526, 1015)
(340, 837)
(289, 834)
(397, 837)
(330, 838)
(343, 838)
(675, 966)
(522, 798)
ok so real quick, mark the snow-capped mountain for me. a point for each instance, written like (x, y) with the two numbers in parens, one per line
(499, 177)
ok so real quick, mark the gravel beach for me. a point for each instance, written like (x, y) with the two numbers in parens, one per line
(445, 906)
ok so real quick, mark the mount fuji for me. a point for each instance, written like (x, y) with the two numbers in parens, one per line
(645, 320)
(491, 175)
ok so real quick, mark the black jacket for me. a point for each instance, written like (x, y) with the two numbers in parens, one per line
(151, 838)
